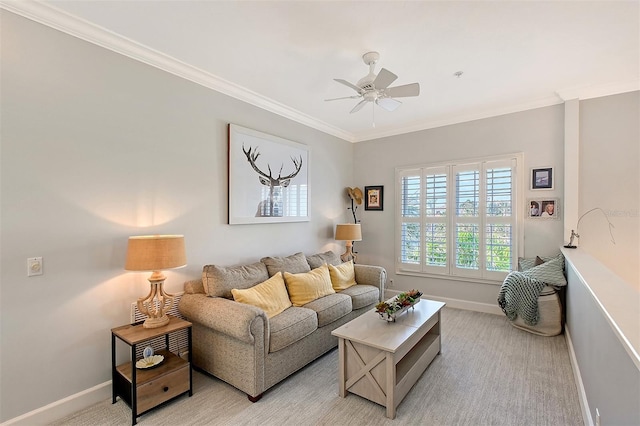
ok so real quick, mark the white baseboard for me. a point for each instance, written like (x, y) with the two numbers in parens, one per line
(456, 303)
(59, 409)
(582, 395)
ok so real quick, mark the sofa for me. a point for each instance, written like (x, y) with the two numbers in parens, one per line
(253, 345)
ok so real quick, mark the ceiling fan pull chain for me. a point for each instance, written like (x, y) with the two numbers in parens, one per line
(373, 115)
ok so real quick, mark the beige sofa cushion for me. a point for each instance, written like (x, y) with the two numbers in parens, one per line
(290, 326)
(219, 280)
(362, 295)
(319, 259)
(330, 308)
(342, 276)
(309, 286)
(294, 264)
(271, 296)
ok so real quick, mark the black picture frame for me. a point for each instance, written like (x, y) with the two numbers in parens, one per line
(374, 197)
(542, 178)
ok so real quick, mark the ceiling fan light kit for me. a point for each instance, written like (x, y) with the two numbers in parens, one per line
(375, 88)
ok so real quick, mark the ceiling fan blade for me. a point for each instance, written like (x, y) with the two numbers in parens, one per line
(412, 89)
(388, 103)
(384, 79)
(359, 106)
(346, 83)
(346, 97)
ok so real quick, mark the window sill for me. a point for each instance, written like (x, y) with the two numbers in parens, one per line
(472, 280)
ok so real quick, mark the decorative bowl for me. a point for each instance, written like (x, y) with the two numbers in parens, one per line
(149, 362)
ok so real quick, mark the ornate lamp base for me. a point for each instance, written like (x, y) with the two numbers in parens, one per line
(349, 254)
(156, 304)
(156, 322)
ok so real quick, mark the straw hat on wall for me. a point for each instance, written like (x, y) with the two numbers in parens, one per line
(355, 194)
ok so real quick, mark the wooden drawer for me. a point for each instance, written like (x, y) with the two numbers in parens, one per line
(162, 389)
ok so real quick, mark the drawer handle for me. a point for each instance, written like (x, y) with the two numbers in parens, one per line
(166, 388)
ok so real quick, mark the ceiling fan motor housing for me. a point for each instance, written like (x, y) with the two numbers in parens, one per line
(366, 82)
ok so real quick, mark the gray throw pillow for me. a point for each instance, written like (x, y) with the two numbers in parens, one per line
(294, 264)
(525, 263)
(550, 272)
(319, 259)
(219, 280)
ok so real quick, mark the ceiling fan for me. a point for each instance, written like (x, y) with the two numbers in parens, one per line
(375, 88)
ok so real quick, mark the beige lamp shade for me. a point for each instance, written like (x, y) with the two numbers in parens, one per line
(348, 232)
(155, 253)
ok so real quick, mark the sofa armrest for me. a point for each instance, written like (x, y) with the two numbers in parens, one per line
(372, 275)
(223, 315)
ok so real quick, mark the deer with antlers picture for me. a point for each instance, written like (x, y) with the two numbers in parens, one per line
(272, 206)
(267, 178)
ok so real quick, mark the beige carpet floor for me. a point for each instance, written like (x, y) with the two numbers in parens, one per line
(488, 373)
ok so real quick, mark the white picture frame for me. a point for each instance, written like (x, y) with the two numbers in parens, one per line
(268, 178)
(543, 208)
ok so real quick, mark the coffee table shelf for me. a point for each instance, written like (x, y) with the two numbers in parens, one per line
(381, 361)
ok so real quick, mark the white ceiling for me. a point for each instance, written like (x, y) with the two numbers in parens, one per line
(284, 55)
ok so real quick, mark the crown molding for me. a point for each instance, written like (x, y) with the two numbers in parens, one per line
(457, 119)
(597, 91)
(60, 20)
(581, 93)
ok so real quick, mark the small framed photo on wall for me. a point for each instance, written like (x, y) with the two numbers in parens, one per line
(542, 178)
(543, 208)
(373, 197)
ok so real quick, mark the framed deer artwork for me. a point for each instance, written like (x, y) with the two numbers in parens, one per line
(268, 178)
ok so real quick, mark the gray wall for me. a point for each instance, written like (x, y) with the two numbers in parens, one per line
(96, 147)
(538, 133)
(610, 180)
(610, 378)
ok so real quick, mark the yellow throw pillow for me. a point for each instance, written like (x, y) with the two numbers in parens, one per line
(308, 286)
(271, 296)
(342, 276)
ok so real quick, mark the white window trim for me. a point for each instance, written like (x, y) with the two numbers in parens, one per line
(451, 272)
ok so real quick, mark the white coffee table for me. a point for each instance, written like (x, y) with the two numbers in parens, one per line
(381, 360)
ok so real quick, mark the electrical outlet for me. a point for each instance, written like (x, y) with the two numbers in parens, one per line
(34, 266)
(391, 283)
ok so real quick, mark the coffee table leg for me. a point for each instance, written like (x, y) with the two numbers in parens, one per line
(391, 386)
(342, 369)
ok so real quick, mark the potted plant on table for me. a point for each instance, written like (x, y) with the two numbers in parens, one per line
(391, 308)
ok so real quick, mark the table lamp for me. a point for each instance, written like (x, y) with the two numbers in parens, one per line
(155, 253)
(348, 232)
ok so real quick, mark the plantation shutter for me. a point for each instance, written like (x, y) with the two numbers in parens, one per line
(459, 219)
(500, 218)
(467, 221)
(410, 202)
(436, 217)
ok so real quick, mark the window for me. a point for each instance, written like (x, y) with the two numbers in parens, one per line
(459, 219)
